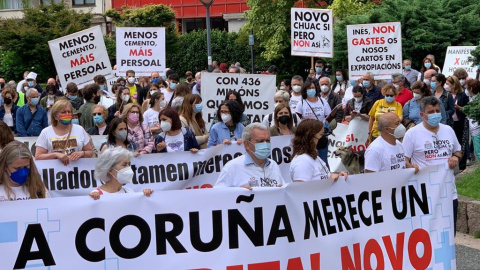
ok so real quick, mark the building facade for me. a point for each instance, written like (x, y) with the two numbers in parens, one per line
(190, 14)
(13, 9)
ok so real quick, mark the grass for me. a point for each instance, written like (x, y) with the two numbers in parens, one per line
(476, 235)
(469, 185)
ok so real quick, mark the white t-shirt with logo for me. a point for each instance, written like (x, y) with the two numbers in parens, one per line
(175, 143)
(53, 142)
(320, 108)
(305, 168)
(425, 148)
(294, 100)
(382, 156)
(237, 173)
(150, 118)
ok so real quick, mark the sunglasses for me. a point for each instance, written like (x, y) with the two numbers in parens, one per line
(96, 114)
(389, 95)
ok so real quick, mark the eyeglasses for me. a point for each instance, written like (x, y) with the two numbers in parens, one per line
(96, 114)
(389, 95)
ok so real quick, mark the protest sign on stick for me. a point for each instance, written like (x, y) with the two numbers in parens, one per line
(312, 32)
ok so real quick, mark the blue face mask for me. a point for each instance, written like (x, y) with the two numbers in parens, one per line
(30, 83)
(198, 108)
(353, 82)
(339, 78)
(164, 77)
(34, 101)
(75, 121)
(173, 86)
(433, 85)
(389, 99)
(408, 67)
(102, 87)
(311, 92)
(72, 97)
(262, 150)
(434, 119)
(20, 176)
(318, 70)
(155, 80)
(97, 119)
(366, 84)
(427, 65)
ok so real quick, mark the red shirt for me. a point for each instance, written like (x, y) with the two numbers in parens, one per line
(404, 96)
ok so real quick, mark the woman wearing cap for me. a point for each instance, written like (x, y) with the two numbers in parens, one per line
(20, 179)
(63, 140)
(113, 169)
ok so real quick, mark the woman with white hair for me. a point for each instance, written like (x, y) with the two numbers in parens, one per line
(281, 97)
(114, 171)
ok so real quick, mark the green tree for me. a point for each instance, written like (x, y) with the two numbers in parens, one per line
(475, 58)
(148, 16)
(24, 41)
(428, 27)
(193, 53)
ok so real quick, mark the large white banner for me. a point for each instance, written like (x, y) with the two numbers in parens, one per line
(312, 32)
(141, 50)
(257, 93)
(163, 171)
(457, 57)
(375, 48)
(370, 221)
(81, 56)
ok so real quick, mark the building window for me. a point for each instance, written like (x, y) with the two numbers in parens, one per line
(12, 4)
(200, 23)
(48, 2)
(83, 2)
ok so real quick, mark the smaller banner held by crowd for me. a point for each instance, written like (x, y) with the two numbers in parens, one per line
(163, 171)
(375, 48)
(365, 222)
(354, 135)
(141, 50)
(81, 56)
(312, 32)
(457, 57)
(257, 92)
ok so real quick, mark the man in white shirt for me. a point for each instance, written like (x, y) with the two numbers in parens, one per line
(297, 83)
(386, 152)
(433, 143)
(253, 169)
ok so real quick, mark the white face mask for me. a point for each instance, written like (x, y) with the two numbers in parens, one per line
(226, 118)
(324, 88)
(399, 131)
(126, 98)
(125, 175)
(153, 92)
(163, 103)
(396, 86)
(426, 81)
(296, 88)
(417, 96)
(165, 126)
(358, 99)
(462, 82)
(131, 80)
(467, 93)
(447, 87)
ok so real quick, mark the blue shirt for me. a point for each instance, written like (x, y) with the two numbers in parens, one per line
(39, 122)
(411, 76)
(411, 111)
(220, 132)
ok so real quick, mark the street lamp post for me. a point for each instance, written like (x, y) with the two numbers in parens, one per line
(207, 4)
(251, 42)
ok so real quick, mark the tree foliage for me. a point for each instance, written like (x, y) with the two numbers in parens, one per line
(428, 27)
(192, 54)
(24, 41)
(148, 16)
(475, 58)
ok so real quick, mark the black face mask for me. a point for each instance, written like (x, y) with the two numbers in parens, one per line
(284, 119)
(189, 79)
(8, 101)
